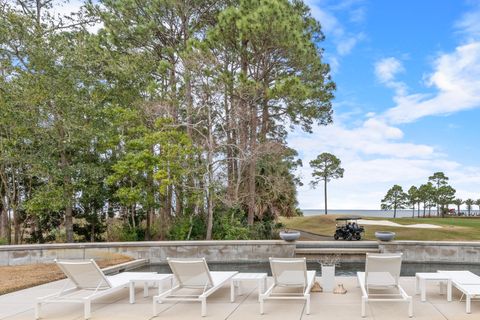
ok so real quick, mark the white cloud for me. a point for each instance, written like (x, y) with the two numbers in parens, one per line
(386, 69)
(469, 25)
(375, 157)
(456, 78)
(346, 46)
(374, 152)
(344, 40)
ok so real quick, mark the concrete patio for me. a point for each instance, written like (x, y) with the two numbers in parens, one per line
(19, 306)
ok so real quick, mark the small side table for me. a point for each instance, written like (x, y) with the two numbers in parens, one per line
(156, 278)
(260, 278)
(421, 287)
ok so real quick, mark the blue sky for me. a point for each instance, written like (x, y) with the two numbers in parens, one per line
(407, 101)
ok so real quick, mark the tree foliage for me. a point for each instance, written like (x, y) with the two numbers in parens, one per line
(325, 168)
(395, 199)
(158, 124)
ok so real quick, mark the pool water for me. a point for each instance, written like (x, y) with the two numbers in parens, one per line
(342, 269)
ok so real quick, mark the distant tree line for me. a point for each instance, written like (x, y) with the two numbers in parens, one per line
(436, 193)
(169, 122)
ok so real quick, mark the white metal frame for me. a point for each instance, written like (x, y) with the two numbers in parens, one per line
(467, 283)
(391, 280)
(305, 283)
(65, 295)
(213, 281)
(236, 282)
(421, 279)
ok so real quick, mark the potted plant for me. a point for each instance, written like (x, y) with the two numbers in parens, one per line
(328, 263)
(289, 235)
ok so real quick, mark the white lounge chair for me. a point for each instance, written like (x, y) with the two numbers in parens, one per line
(382, 272)
(89, 283)
(193, 274)
(289, 273)
(466, 282)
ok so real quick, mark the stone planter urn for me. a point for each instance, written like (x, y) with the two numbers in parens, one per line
(385, 235)
(328, 277)
(289, 235)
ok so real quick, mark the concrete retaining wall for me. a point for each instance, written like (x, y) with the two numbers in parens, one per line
(228, 251)
(435, 251)
(154, 251)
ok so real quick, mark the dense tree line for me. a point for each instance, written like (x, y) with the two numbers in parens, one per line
(168, 122)
(436, 193)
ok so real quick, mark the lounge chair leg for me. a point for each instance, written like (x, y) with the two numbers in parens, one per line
(410, 307)
(469, 299)
(364, 301)
(307, 309)
(261, 305)
(154, 307)
(38, 306)
(87, 307)
(204, 306)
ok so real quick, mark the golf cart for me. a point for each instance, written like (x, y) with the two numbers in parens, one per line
(347, 228)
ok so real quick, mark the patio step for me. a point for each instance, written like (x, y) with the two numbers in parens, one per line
(353, 251)
(320, 251)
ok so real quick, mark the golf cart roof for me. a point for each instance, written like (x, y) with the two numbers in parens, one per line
(348, 218)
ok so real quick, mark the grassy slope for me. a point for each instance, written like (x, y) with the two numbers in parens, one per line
(13, 278)
(453, 228)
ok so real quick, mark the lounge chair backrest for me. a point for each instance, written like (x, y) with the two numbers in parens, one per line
(289, 271)
(377, 264)
(192, 273)
(84, 274)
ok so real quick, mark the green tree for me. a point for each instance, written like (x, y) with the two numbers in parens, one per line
(152, 163)
(395, 199)
(325, 168)
(413, 198)
(428, 197)
(438, 179)
(272, 67)
(469, 203)
(478, 204)
(458, 202)
(445, 196)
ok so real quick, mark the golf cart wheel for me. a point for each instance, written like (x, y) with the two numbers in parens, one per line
(357, 237)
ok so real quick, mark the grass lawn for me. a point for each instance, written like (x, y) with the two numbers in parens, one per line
(452, 228)
(13, 278)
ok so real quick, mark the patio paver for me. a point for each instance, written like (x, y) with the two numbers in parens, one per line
(19, 306)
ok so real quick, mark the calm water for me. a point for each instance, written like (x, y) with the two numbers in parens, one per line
(343, 269)
(365, 213)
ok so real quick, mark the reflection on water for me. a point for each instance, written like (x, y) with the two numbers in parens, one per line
(343, 269)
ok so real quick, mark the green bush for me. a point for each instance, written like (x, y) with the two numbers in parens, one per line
(190, 227)
(120, 232)
(230, 225)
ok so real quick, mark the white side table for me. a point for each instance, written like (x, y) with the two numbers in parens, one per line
(260, 278)
(421, 287)
(156, 279)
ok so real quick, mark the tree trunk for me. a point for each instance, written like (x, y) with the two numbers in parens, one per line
(325, 195)
(210, 178)
(4, 223)
(92, 227)
(16, 225)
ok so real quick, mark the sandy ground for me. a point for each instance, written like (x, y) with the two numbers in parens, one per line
(394, 224)
(13, 278)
